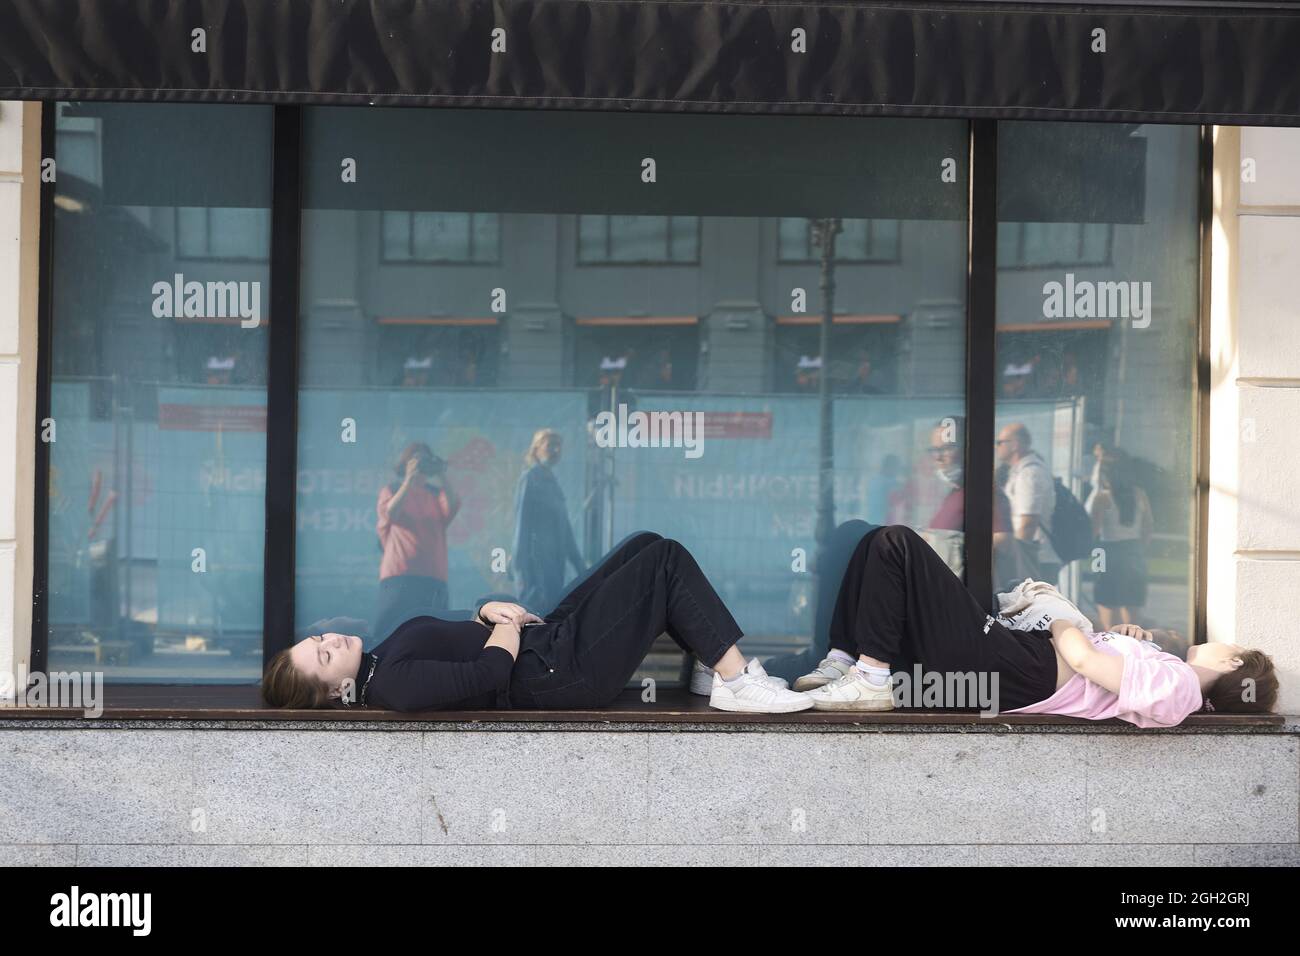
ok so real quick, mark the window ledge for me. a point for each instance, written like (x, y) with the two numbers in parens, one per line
(225, 707)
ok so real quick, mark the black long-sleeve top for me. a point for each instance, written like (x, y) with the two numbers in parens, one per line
(431, 664)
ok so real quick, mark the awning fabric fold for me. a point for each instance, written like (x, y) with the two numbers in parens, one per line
(1102, 62)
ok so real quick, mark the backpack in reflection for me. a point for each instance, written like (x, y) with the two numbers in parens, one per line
(1071, 532)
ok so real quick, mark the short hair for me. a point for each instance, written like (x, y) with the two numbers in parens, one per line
(1227, 693)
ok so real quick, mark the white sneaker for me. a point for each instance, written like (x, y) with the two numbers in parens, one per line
(828, 670)
(853, 692)
(702, 680)
(754, 693)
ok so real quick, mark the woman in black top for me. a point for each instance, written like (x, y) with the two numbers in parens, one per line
(580, 656)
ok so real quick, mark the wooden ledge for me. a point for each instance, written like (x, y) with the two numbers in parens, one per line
(674, 706)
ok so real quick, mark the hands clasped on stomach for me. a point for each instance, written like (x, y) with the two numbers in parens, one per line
(506, 620)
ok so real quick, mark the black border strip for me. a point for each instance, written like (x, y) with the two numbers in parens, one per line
(282, 385)
(40, 643)
(981, 347)
(1163, 64)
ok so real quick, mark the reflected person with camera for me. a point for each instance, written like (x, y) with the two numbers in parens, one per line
(413, 515)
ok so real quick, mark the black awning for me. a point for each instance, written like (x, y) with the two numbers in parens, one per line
(1180, 64)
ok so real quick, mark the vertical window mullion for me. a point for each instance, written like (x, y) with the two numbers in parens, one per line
(39, 650)
(282, 384)
(1201, 384)
(981, 358)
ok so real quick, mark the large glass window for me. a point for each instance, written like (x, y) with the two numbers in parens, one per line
(157, 465)
(473, 306)
(708, 231)
(1097, 332)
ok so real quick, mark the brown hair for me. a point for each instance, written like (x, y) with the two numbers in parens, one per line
(1227, 693)
(410, 451)
(283, 685)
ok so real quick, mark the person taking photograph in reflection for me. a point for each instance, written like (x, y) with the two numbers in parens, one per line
(413, 515)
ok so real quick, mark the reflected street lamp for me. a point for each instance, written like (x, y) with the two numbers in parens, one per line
(824, 232)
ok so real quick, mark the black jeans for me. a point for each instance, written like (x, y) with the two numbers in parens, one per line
(597, 636)
(900, 604)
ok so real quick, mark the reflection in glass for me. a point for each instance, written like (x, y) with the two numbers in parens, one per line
(157, 472)
(1097, 316)
(701, 295)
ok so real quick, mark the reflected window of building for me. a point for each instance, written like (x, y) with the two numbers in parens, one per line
(1038, 245)
(440, 237)
(864, 357)
(638, 239)
(644, 354)
(232, 234)
(862, 240)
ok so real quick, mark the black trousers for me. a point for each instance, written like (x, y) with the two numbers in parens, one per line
(597, 636)
(900, 604)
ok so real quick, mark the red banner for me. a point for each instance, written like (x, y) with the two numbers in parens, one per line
(212, 418)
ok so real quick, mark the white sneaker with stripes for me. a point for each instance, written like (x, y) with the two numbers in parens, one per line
(753, 693)
(702, 679)
(853, 692)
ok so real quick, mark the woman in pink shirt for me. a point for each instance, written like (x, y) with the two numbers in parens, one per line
(1122, 673)
(899, 608)
(413, 516)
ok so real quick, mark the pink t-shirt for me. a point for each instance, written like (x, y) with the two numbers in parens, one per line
(1157, 689)
(415, 541)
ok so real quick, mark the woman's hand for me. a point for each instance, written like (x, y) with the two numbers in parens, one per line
(1133, 631)
(502, 612)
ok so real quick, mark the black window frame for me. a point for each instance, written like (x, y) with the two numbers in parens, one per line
(581, 263)
(283, 366)
(414, 260)
(1079, 263)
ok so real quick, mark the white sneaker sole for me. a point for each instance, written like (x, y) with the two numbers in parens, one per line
(736, 706)
(865, 705)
